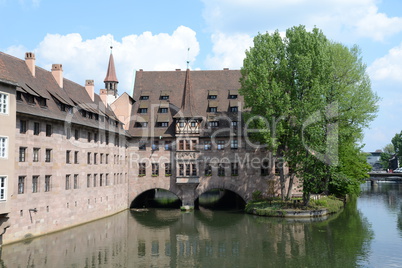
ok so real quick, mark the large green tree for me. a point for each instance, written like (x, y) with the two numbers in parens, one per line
(387, 152)
(310, 99)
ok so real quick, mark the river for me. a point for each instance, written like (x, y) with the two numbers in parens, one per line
(367, 233)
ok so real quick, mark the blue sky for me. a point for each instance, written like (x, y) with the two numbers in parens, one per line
(155, 35)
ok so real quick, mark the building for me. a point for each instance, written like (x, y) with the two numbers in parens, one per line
(69, 155)
(373, 159)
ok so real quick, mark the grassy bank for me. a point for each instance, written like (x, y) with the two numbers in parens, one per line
(278, 208)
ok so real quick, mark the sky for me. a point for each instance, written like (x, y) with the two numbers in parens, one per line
(210, 34)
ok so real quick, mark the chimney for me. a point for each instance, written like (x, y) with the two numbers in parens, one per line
(103, 96)
(30, 61)
(89, 87)
(57, 72)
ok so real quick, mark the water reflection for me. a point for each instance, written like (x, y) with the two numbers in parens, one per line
(170, 238)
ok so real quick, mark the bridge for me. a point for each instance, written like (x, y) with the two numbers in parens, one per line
(375, 177)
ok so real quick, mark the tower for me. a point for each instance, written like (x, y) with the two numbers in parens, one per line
(109, 94)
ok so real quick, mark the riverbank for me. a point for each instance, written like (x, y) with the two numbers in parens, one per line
(278, 208)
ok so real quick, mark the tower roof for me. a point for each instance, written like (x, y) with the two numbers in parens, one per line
(187, 108)
(111, 71)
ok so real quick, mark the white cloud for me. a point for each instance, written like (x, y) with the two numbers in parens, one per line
(388, 67)
(342, 20)
(88, 59)
(228, 51)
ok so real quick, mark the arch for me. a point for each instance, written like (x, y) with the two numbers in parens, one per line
(146, 198)
(224, 187)
(226, 199)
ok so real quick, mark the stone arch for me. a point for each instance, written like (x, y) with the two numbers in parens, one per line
(144, 189)
(224, 187)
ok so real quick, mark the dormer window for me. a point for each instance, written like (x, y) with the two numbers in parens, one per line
(164, 97)
(163, 110)
(232, 97)
(212, 94)
(213, 123)
(212, 97)
(234, 109)
(144, 98)
(212, 109)
(142, 110)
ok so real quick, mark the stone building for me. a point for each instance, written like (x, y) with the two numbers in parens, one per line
(69, 155)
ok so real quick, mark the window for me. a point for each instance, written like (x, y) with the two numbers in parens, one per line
(155, 169)
(106, 179)
(208, 170)
(107, 159)
(141, 169)
(265, 168)
(144, 97)
(212, 109)
(234, 169)
(141, 124)
(234, 144)
(36, 128)
(168, 169)
(212, 97)
(35, 155)
(35, 182)
(234, 109)
(21, 184)
(107, 139)
(88, 158)
(234, 123)
(221, 170)
(3, 188)
(101, 159)
(163, 110)
(168, 145)
(89, 136)
(181, 145)
(232, 96)
(22, 154)
(143, 110)
(3, 104)
(142, 146)
(76, 157)
(95, 178)
(68, 152)
(68, 132)
(19, 96)
(75, 181)
(207, 145)
(48, 130)
(95, 158)
(96, 137)
(165, 97)
(48, 155)
(213, 123)
(221, 144)
(188, 169)
(101, 180)
(23, 126)
(3, 147)
(187, 142)
(76, 134)
(194, 145)
(162, 124)
(155, 146)
(47, 183)
(68, 182)
(181, 169)
(194, 170)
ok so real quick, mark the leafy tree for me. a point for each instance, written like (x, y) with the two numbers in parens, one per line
(388, 152)
(310, 98)
(397, 142)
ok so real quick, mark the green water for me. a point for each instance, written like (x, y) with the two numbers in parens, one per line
(368, 233)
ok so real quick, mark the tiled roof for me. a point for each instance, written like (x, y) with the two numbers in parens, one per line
(176, 84)
(44, 85)
(111, 71)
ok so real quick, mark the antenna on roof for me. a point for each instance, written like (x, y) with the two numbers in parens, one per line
(111, 44)
(188, 59)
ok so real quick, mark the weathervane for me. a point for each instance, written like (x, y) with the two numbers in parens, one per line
(188, 60)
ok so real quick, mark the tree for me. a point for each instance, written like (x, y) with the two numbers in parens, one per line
(397, 142)
(388, 152)
(317, 97)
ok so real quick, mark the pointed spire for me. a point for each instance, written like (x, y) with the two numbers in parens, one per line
(111, 71)
(187, 108)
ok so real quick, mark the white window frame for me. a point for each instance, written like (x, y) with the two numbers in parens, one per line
(3, 147)
(4, 103)
(3, 188)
